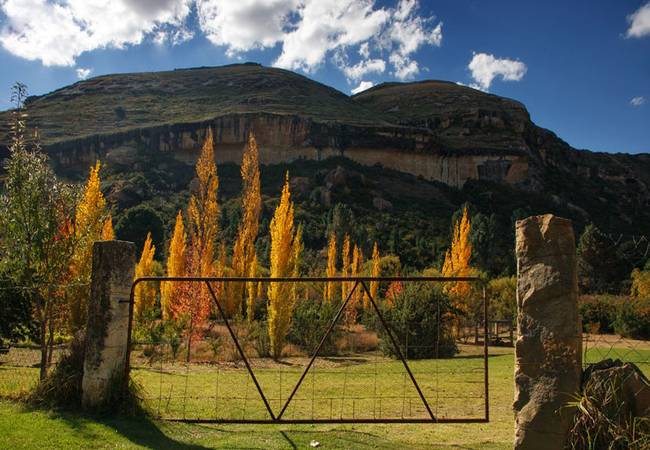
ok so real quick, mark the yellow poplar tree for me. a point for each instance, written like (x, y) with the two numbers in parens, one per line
(175, 266)
(331, 266)
(145, 292)
(351, 310)
(89, 224)
(457, 262)
(641, 283)
(374, 285)
(244, 251)
(253, 290)
(107, 230)
(204, 210)
(298, 248)
(345, 267)
(282, 258)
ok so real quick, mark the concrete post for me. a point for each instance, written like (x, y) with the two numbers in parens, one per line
(108, 318)
(548, 351)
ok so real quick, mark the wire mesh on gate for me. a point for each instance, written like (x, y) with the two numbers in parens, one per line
(341, 362)
(598, 347)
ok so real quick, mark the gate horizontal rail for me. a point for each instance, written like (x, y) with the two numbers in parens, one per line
(360, 283)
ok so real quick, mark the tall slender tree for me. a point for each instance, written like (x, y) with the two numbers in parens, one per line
(89, 223)
(282, 264)
(203, 211)
(145, 292)
(244, 250)
(457, 262)
(331, 266)
(175, 267)
(374, 285)
(345, 267)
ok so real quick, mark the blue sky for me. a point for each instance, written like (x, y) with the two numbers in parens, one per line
(581, 67)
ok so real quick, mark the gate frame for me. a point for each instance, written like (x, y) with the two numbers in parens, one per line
(358, 281)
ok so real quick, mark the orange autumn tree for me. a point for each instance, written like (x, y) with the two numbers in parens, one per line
(331, 267)
(244, 251)
(145, 292)
(89, 224)
(283, 250)
(175, 267)
(351, 311)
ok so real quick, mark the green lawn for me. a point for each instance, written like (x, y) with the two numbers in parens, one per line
(23, 428)
(26, 428)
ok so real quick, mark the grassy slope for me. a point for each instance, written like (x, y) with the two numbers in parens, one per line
(88, 107)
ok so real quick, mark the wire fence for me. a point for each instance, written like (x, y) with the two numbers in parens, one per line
(341, 362)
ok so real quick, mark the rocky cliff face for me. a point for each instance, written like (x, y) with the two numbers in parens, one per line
(439, 130)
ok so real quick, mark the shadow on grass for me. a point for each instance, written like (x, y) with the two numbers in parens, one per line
(146, 433)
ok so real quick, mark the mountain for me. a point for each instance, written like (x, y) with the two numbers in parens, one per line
(435, 130)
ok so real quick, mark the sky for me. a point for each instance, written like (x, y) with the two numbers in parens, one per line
(581, 67)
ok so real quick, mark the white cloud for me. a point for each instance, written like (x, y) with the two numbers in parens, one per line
(637, 101)
(363, 86)
(242, 25)
(639, 22)
(56, 32)
(361, 36)
(359, 70)
(486, 67)
(82, 74)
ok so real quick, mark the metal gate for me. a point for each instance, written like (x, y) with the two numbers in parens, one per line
(216, 368)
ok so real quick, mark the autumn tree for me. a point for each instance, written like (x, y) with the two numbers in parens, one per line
(244, 251)
(331, 266)
(107, 233)
(356, 266)
(374, 285)
(36, 234)
(203, 212)
(641, 282)
(175, 267)
(345, 267)
(457, 261)
(89, 223)
(283, 250)
(145, 292)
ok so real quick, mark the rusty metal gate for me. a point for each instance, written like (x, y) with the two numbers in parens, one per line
(213, 366)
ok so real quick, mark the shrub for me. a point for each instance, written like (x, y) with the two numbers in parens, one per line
(421, 322)
(309, 322)
(599, 312)
(633, 318)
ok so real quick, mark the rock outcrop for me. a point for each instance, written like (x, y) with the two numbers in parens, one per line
(548, 351)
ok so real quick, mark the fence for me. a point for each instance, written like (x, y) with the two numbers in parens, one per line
(396, 360)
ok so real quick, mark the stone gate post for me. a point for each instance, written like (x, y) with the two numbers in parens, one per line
(108, 318)
(548, 351)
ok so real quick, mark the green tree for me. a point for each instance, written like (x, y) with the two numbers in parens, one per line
(35, 228)
(137, 223)
(599, 268)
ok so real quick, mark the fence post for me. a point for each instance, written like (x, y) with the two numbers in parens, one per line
(548, 351)
(108, 318)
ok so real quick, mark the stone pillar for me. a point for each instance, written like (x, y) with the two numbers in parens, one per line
(548, 351)
(108, 318)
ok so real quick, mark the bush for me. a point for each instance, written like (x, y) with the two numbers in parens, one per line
(633, 318)
(310, 320)
(420, 321)
(599, 312)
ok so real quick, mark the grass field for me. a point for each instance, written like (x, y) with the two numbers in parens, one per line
(24, 428)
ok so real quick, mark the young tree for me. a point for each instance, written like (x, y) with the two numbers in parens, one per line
(175, 267)
(331, 266)
(204, 211)
(641, 282)
(145, 292)
(282, 263)
(35, 229)
(107, 230)
(244, 251)
(89, 223)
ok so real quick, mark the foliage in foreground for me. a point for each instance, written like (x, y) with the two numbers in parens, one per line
(600, 421)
